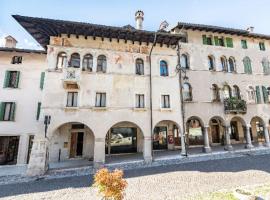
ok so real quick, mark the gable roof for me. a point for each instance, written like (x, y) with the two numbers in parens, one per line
(41, 29)
(218, 29)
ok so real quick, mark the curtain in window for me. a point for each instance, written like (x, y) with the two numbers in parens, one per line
(88, 62)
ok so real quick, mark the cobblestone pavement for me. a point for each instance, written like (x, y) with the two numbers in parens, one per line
(179, 181)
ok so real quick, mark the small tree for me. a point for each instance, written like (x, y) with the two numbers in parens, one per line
(110, 184)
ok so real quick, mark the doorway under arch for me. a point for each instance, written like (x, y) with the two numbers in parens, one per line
(217, 131)
(195, 131)
(257, 130)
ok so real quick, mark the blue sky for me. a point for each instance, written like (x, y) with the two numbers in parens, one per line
(227, 13)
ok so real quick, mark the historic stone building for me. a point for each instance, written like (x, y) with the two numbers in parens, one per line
(116, 90)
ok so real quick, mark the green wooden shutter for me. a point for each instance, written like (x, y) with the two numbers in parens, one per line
(204, 39)
(2, 110)
(216, 41)
(265, 94)
(229, 42)
(38, 110)
(7, 78)
(42, 77)
(13, 108)
(258, 94)
(17, 79)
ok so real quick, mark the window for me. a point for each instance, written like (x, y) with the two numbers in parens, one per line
(223, 62)
(72, 99)
(211, 62)
(229, 42)
(87, 63)
(41, 83)
(16, 60)
(163, 68)
(258, 95)
(231, 67)
(262, 46)
(100, 99)
(236, 92)
(165, 101)
(266, 66)
(139, 66)
(38, 110)
(7, 111)
(101, 63)
(184, 61)
(265, 94)
(244, 44)
(187, 92)
(219, 41)
(227, 92)
(139, 101)
(207, 40)
(61, 60)
(215, 93)
(12, 79)
(75, 60)
(251, 94)
(247, 65)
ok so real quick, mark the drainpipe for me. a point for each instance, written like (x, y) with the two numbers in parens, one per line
(151, 106)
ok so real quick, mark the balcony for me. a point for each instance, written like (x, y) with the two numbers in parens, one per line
(71, 78)
(235, 106)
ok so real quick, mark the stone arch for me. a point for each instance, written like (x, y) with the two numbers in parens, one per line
(217, 129)
(71, 140)
(166, 135)
(195, 131)
(238, 129)
(257, 126)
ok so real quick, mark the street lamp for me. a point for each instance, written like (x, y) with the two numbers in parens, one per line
(47, 121)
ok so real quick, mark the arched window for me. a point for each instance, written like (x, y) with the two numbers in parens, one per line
(187, 92)
(231, 65)
(247, 65)
(266, 66)
(75, 60)
(163, 68)
(223, 62)
(236, 92)
(215, 93)
(61, 60)
(251, 94)
(101, 63)
(139, 66)
(184, 61)
(226, 92)
(87, 62)
(211, 62)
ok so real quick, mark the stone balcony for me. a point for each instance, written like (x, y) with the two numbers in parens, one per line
(235, 106)
(71, 78)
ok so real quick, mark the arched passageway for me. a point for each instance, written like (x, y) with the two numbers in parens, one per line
(195, 132)
(257, 130)
(238, 130)
(217, 131)
(71, 144)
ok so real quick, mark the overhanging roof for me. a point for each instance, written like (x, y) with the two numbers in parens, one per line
(218, 29)
(7, 49)
(41, 29)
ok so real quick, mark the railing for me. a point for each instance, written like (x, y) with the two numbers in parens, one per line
(71, 76)
(233, 106)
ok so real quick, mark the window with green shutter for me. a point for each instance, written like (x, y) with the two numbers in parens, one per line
(265, 95)
(244, 44)
(204, 39)
(12, 79)
(2, 111)
(262, 46)
(216, 40)
(247, 65)
(266, 66)
(258, 95)
(229, 42)
(7, 111)
(38, 110)
(42, 77)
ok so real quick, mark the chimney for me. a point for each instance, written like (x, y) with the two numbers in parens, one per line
(250, 29)
(10, 42)
(139, 19)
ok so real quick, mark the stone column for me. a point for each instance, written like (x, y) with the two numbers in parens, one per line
(183, 144)
(206, 148)
(248, 138)
(147, 150)
(23, 149)
(38, 163)
(228, 146)
(266, 136)
(99, 152)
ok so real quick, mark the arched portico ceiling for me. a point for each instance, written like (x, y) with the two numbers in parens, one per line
(219, 119)
(195, 118)
(240, 119)
(168, 121)
(123, 124)
(257, 118)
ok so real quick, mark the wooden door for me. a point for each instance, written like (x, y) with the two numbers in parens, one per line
(215, 134)
(73, 145)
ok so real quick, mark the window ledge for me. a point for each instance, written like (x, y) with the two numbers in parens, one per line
(165, 109)
(100, 108)
(11, 88)
(55, 70)
(139, 109)
(71, 108)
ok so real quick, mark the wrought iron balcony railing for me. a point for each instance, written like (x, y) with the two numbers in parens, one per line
(234, 106)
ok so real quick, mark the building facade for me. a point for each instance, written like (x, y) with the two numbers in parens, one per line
(117, 90)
